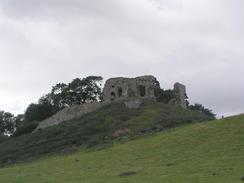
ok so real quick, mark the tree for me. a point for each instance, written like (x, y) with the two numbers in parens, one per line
(77, 92)
(62, 95)
(19, 120)
(39, 112)
(58, 95)
(7, 123)
(201, 108)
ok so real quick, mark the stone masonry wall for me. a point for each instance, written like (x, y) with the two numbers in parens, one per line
(129, 88)
(132, 91)
(70, 113)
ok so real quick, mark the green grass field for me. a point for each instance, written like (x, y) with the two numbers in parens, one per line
(211, 152)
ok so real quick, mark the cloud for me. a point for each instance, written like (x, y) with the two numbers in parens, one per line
(199, 43)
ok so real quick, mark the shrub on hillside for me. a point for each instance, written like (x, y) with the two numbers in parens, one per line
(25, 128)
(202, 109)
(164, 96)
(40, 111)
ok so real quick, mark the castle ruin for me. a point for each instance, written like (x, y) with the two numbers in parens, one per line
(129, 88)
(131, 91)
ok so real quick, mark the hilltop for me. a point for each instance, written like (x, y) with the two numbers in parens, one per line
(100, 128)
(209, 152)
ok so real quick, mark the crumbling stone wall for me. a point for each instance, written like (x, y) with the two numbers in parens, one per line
(132, 91)
(70, 113)
(117, 89)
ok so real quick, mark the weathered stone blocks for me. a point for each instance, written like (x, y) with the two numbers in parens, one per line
(117, 89)
(132, 91)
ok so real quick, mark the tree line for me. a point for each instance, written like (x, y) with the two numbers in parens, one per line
(78, 91)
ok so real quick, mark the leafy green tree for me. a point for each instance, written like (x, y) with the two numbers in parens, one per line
(57, 97)
(62, 95)
(39, 112)
(77, 92)
(7, 123)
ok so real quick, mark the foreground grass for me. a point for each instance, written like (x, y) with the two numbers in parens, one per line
(211, 152)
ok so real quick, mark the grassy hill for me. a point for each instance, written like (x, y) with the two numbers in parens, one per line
(110, 123)
(211, 152)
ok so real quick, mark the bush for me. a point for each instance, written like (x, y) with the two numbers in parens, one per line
(202, 109)
(39, 112)
(164, 96)
(25, 128)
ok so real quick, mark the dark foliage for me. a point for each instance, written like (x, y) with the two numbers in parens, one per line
(25, 128)
(39, 112)
(77, 92)
(7, 123)
(164, 96)
(62, 95)
(201, 108)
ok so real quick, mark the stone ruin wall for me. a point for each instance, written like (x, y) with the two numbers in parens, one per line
(122, 88)
(130, 90)
(70, 113)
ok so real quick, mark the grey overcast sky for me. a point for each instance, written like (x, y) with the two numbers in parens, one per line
(197, 42)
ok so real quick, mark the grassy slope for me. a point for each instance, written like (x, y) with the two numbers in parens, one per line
(211, 152)
(97, 128)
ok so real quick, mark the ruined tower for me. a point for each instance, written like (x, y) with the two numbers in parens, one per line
(180, 92)
(129, 88)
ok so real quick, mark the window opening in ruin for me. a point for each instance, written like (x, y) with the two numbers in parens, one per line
(142, 90)
(120, 91)
(112, 86)
(113, 96)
